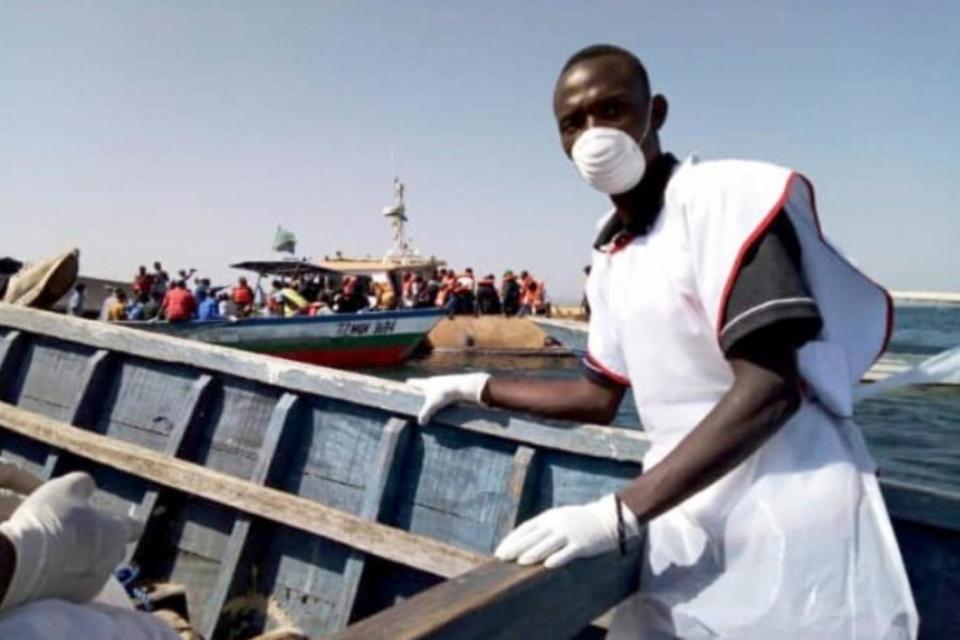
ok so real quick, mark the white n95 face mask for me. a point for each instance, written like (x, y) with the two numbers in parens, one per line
(609, 159)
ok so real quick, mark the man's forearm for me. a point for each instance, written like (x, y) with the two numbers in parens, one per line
(740, 423)
(578, 400)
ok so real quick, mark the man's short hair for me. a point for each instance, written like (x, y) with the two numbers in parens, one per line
(600, 50)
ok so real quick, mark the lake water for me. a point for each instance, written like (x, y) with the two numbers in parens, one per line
(914, 433)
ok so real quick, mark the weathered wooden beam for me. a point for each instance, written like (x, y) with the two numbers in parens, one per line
(84, 402)
(394, 397)
(193, 404)
(277, 506)
(519, 484)
(504, 601)
(279, 419)
(11, 354)
(377, 497)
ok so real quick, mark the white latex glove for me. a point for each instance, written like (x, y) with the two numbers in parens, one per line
(441, 391)
(562, 534)
(65, 548)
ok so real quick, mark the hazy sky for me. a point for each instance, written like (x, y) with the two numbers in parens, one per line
(186, 131)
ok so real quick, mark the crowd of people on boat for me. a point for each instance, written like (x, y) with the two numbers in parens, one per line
(155, 295)
(465, 294)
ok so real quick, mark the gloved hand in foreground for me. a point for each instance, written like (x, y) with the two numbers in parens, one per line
(557, 536)
(65, 547)
(441, 391)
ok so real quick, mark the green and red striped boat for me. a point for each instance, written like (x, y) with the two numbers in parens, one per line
(365, 339)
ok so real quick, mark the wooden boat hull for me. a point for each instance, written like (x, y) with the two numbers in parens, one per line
(280, 493)
(343, 340)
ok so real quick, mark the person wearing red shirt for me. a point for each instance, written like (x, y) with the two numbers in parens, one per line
(179, 304)
(143, 281)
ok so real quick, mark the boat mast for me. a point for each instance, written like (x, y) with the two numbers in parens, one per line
(400, 251)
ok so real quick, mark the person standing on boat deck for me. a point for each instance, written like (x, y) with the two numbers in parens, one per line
(742, 333)
(161, 279)
(78, 298)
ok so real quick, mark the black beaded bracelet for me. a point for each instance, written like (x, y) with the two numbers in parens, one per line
(621, 527)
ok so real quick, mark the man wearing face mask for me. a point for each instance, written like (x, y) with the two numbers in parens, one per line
(742, 333)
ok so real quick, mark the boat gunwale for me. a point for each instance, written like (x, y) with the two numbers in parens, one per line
(915, 503)
(394, 397)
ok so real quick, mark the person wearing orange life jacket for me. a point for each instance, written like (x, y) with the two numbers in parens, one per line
(242, 296)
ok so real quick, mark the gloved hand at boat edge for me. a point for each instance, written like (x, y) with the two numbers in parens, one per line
(65, 547)
(559, 535)
(441, 391)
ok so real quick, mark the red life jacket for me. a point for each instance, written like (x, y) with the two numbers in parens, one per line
(242, 295)
(179, 305)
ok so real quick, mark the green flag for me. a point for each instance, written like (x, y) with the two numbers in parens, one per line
(284, 240)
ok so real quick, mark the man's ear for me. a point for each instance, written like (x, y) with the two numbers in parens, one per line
(658, 112)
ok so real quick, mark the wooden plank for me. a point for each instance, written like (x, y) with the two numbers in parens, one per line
(394, 397)
(504, 601)
(292, 511)
(89, 392)
(377, 497)
(11, 354)
(279, 419)
(517, 494)
(193, 404)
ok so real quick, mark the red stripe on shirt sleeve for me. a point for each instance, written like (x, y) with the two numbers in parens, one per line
(598, 366)
(744, 248)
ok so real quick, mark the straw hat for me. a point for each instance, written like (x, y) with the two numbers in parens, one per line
(42, 284)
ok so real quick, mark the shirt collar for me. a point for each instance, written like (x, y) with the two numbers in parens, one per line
(614, 234)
